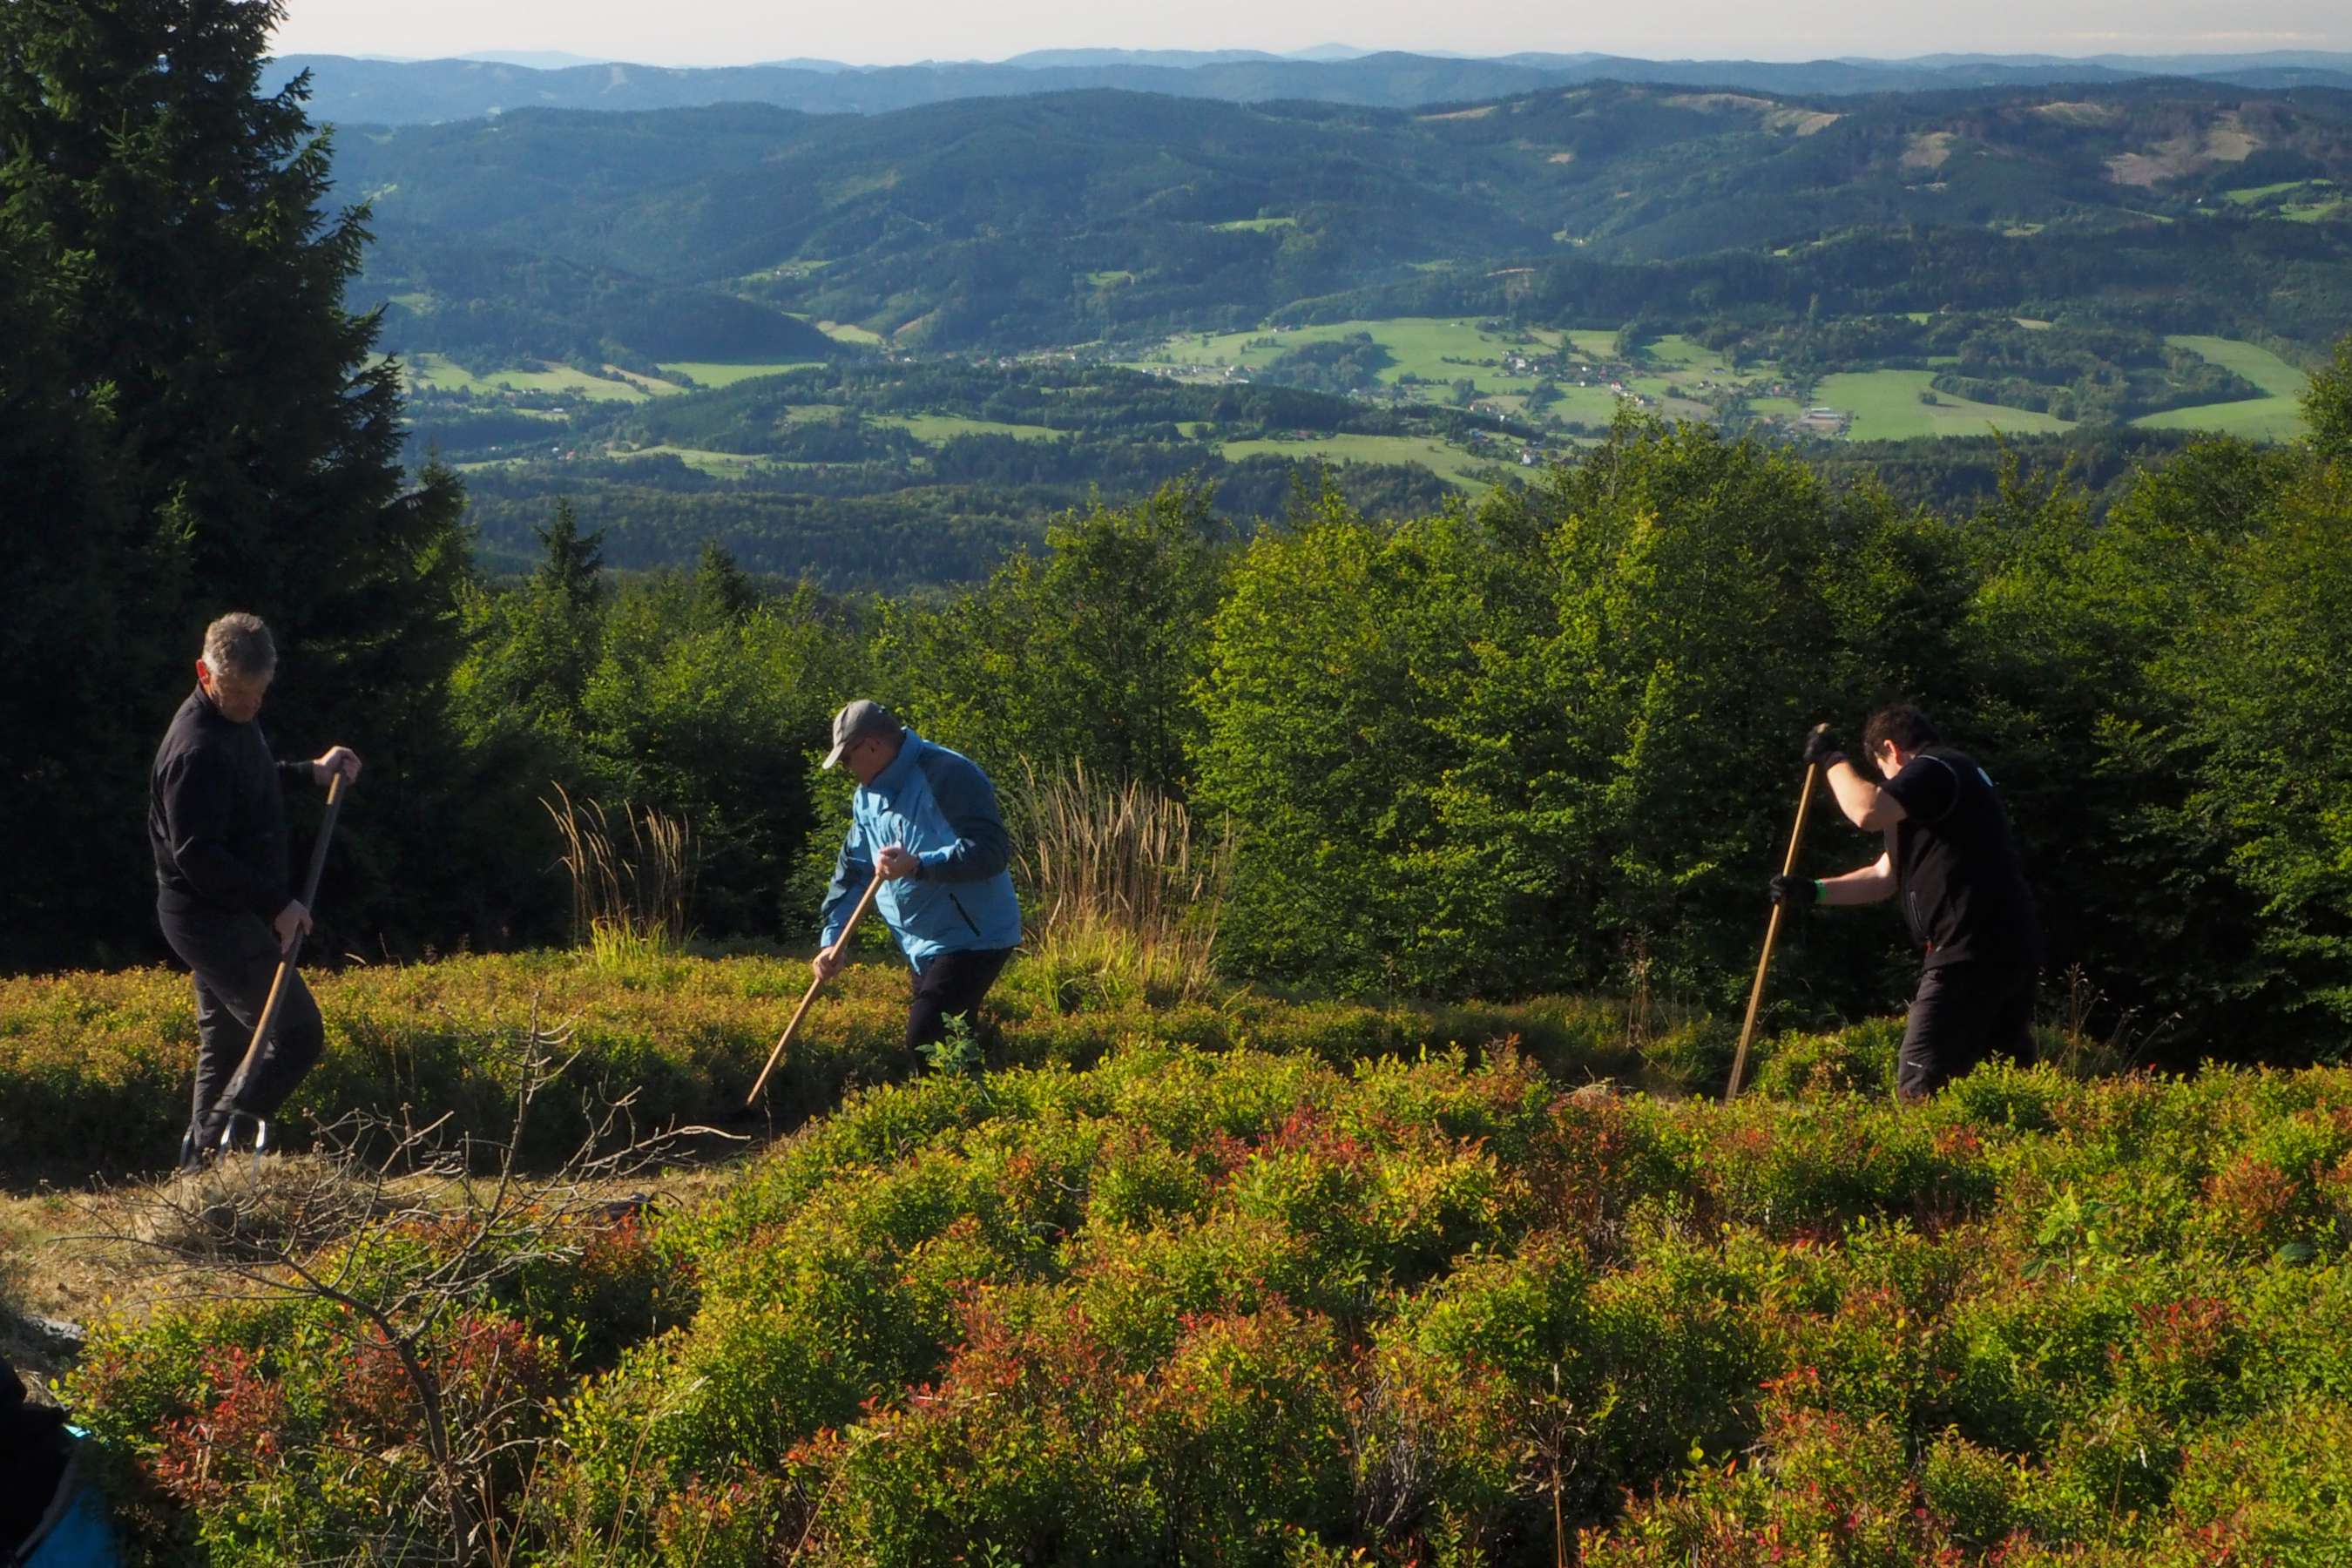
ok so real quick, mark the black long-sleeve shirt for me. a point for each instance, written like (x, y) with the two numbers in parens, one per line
(216, 813)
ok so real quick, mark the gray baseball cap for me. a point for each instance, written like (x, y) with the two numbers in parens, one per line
(857, 720)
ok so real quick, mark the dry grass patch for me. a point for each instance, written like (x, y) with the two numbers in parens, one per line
(1928, 150)
(2078, 113)
(2225, 141)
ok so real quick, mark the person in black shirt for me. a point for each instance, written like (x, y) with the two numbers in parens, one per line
(1951, 861)
(217, 821)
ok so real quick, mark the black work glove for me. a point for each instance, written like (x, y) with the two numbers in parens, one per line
(1821, 750)
(1794, 894)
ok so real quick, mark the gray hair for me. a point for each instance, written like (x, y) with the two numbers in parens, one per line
(239, 645)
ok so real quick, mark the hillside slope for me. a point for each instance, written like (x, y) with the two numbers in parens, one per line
(1062, 217)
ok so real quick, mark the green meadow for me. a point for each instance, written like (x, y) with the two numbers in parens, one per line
(2275, 418)
(712, 373)
(1432, 348)
(933, 428)
(1452, 464)
(1886, 407)
(434, 372)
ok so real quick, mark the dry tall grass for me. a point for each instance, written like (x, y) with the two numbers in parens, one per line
(1123, 891)
(629, 900)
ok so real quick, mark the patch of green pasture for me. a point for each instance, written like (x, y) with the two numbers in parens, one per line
(1584, 406)
(1675, 352)
(709, 373)
(1114, 280)
(2275, 418)
(934, 428)
(2251, 419)
(1429, 347)
(1594, 344)
(441, 374)
(1886, 407)
(1451, 464)
(2259, 365)
(848, 332)
(2247, 195)
(718, 465)
(2314, 212)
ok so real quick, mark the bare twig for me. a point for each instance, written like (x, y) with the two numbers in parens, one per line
(304, 1229)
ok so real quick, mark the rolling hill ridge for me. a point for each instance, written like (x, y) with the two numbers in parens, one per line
(1067, 217)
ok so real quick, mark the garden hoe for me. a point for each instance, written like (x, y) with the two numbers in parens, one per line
(840, 944)
(268, 1019)
(1772, 930)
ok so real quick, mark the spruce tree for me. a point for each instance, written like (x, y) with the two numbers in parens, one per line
(203, 427)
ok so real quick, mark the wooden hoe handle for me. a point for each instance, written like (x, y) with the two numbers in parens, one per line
(261, 1026)
(864, 902)
(1772, 931)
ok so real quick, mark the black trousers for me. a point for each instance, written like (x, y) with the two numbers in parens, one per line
(951, 986)
(1962, 1014)
(233, 957)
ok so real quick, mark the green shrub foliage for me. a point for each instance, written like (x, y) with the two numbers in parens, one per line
(1267, 1307)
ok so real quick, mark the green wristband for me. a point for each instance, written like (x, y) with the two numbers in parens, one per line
(1820, 891)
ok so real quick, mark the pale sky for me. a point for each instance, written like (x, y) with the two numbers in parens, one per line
(737, 32)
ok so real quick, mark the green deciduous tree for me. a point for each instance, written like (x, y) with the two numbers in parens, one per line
(1371, 765)
(1087, 654)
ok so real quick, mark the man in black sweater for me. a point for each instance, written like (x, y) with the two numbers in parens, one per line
(216, 819)
(1951, 859)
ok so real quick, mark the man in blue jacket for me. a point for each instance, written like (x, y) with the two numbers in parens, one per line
(926, 819)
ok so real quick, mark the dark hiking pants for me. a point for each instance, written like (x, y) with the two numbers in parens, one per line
(233, 958)
(1961, 1015)
(951, 986)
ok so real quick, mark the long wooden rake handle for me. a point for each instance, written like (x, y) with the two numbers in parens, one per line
(1772, 931)
(864, 902)
(262, 1024)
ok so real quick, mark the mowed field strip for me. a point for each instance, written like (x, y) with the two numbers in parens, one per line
(2277, 418)
(434, 372)
(1886, 407)
(713, 374)
(1452, 464)
(1432, 348)
(933, 428)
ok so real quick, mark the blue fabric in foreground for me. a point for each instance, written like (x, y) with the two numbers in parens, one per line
(78, 1535)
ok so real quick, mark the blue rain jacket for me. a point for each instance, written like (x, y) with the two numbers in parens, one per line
(940, 805)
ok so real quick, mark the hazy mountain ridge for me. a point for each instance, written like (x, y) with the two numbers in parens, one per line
(390, 92)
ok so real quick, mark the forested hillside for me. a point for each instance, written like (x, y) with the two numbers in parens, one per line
(1067, 217)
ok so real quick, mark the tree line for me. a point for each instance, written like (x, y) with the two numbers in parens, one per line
(1547, 742)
